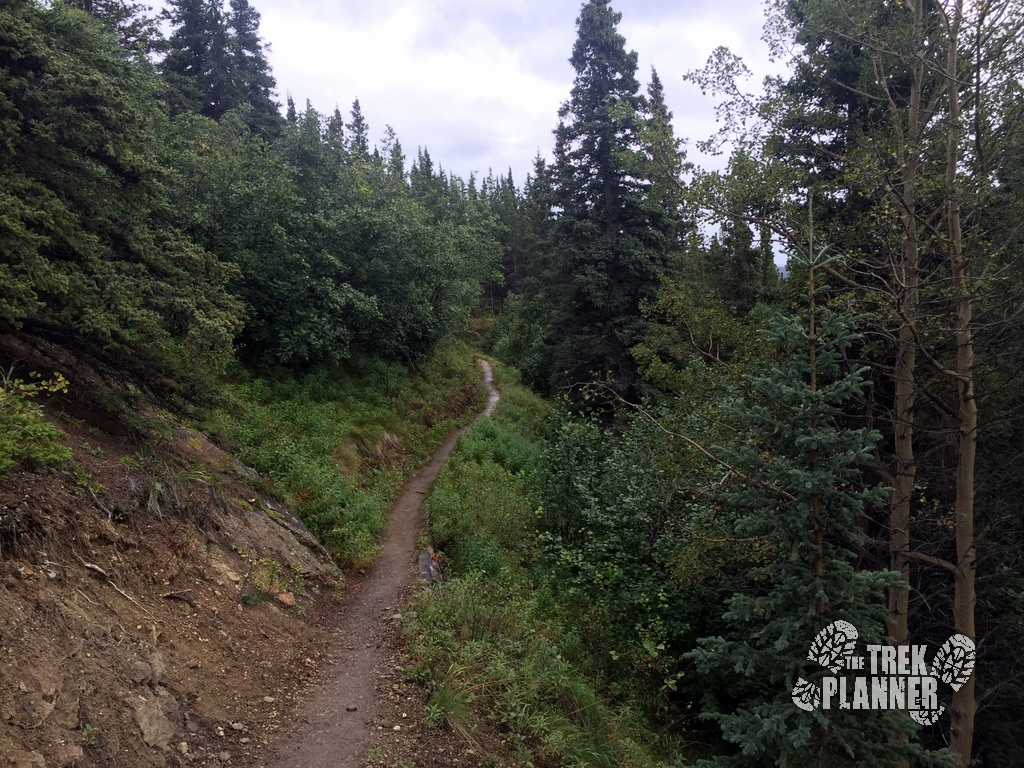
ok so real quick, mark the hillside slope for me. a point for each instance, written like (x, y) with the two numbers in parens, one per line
(157, 605)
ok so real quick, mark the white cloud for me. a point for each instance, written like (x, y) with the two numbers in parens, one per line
(479, 82)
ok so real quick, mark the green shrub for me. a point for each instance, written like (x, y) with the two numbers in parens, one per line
(24, 436)
(497, 641)
(486, 647)
(338, 442)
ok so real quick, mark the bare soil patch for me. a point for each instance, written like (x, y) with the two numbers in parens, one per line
(155, 609)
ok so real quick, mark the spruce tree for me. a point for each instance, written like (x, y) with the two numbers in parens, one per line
(196, 65)
(88, 259)
(136, 30)
(359, 131)
(665, 162)
(611, 241)
(251, 78)
(395, 167)
(335, 127)
(734, 267)
(800, 500)
(216, 62)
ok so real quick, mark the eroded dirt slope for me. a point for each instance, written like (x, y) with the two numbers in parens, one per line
(158, 609)
(155, 608)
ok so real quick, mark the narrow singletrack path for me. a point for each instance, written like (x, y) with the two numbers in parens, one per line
(334, 724)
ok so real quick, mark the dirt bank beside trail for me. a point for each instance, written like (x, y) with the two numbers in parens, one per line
(358, 696)
(155, 609)
(158, 608)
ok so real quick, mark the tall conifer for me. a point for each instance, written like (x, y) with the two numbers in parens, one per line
(136, 29)
(196, 66)
(359, 131)
(610, 243)
(216, 62)
(798, 505)
(252, 80)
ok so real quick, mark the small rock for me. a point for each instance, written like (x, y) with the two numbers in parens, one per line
(351, 708)
(233, 576)
(156, 729)
(286, 599)
(159, 665)
(237, 727)
(219, 731)
(68, 754)
(192, 727)
(141, 672)
(224, 756)
(96, 632)
(183, 747)
(244, 740)
(397, 728)
(268, 699)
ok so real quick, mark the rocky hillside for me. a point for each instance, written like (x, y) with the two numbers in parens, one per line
(156, 608)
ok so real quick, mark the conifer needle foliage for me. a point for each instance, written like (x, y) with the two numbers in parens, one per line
(798, 492)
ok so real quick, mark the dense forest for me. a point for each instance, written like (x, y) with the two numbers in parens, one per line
(716, 459)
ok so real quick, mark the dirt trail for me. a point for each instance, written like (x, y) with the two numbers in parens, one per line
(333, 727)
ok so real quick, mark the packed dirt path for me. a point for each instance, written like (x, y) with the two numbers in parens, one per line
(332, 728)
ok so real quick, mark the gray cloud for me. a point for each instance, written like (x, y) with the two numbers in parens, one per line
(479, 82)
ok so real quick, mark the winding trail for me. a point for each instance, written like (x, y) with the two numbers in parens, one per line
(334, 725)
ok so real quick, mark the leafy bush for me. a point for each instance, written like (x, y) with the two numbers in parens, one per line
(497, 640)
(24, 436)
(487, 645)
(615, 521)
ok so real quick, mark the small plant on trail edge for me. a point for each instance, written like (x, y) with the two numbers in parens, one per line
(266, 577)
(434, 714)
(89, 734)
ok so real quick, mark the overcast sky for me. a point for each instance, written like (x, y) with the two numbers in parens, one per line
(479, 82)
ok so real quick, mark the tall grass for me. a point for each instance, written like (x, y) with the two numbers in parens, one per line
(338, 443)
(493, 642)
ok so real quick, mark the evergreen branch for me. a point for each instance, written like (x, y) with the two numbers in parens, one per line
(730, 469)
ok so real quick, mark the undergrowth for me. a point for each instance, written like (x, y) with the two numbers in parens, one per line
(493, 641)
(24, 436)
(337, 444)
